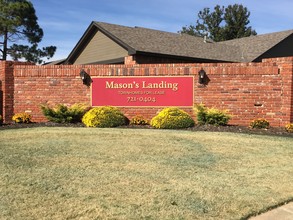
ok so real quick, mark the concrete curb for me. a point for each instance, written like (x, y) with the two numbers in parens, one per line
(284, 212)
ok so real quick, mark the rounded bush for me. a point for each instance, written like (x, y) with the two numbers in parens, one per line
(138, 120)
(289, 128)
(22, 118)
(104, 117)
(260, 123)
(172, 118)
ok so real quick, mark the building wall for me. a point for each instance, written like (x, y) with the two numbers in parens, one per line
(247, 90)
(100, 48)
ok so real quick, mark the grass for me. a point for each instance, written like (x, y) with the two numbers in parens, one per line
(83, 173)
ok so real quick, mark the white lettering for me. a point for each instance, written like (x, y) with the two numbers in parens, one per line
(113, 85)
(161, 85)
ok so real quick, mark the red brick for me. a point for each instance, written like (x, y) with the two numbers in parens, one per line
(236, 87)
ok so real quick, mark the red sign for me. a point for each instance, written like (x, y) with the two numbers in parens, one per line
(143, 91)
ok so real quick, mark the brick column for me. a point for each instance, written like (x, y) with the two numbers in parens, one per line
(129, 60)
(286, 70)
(7, 79)
(7, 88)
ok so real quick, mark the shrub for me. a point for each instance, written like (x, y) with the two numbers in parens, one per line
(211, 116)
(217, 117)
(138, 120)
(1, 119)
(172, 118)
(105, 116)
(22, 118)
(63, 114)
(289, 128)
(259, 123)
(201, 113)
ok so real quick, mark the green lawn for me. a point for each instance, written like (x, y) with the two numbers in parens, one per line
(84, 173)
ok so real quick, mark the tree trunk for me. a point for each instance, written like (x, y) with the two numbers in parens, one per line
(4, 55)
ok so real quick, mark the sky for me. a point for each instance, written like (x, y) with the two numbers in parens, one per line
(65, 21)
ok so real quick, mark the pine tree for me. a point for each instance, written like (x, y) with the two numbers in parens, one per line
(222, 23)
(18, 22)
(237, 18)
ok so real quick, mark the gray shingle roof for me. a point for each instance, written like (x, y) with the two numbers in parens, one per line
(254, 46)
(144, 40)
(161, 42)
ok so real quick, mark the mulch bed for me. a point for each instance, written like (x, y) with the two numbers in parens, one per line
(276, 131)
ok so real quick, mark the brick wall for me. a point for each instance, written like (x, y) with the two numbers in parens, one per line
(248, 90)
(7, 88)
(37, 85)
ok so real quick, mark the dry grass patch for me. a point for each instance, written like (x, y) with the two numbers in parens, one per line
(82, 173)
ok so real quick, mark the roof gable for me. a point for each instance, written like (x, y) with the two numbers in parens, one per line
(100, 49)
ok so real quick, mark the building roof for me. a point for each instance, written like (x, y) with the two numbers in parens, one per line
(55, 62)
(146, 40)
(139, 40)
(254, 46)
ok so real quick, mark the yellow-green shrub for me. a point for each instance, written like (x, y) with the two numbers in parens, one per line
(138, 120)
(22, 118)
(259, 123)
(200, 112)
(172, 118)
(211, 116)
(105, 116)
(64, 114)
(289, 128)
